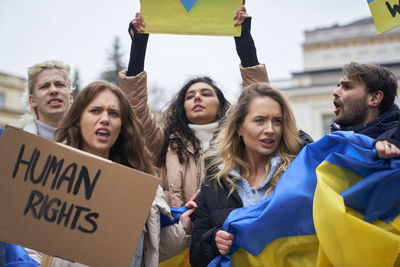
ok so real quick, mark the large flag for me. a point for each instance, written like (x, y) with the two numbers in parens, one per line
(386, 14)
(336, 205)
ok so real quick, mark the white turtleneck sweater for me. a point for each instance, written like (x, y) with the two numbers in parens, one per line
(204, 133)
(40, 128)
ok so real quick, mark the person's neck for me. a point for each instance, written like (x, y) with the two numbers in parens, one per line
(372, 115)
(50, 122)
(45, 130)
(257, 163)
(103, 154)
(204, 132)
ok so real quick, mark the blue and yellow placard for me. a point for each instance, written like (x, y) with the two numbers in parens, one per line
(197, 17)
(386, 14)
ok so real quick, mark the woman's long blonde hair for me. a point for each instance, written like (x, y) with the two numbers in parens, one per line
(230, 148)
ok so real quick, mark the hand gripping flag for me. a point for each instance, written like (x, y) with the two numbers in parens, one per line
(182, 259)
(386, 14)
(337, 204)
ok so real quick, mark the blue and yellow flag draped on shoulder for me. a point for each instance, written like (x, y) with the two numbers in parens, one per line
(336, 205)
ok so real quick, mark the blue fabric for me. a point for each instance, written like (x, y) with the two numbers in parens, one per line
(376, 196)
(16, 256)
(288, 210)
(176, 214)
(1, 131)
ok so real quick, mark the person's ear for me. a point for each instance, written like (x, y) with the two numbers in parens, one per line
(238, 132)
(71, 98)
(375, 99)
(32, 101)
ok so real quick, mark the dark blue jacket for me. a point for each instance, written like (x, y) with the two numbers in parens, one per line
(385, 127)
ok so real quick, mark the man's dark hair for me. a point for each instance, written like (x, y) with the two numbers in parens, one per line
(375, 78)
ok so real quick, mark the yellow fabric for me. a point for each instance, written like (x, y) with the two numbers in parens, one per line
(383, 18)
(294, 251)
(207, 17)
(345, 239)
(180, 260)
(396, 223)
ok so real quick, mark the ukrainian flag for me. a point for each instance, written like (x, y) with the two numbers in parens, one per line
(336, 205)
(386, 14)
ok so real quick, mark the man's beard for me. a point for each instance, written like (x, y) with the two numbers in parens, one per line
(354, 115)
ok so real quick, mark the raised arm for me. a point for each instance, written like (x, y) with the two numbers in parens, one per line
(138, 46)
(134, 83)
(251, 70)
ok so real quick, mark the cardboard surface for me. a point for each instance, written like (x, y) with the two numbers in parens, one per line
(201, 17)
(68, 203)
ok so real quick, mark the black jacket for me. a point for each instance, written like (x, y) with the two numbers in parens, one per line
(214, 206)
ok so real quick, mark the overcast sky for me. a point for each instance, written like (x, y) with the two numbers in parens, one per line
(81, 33)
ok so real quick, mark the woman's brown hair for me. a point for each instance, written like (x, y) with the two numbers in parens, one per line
(129, 149)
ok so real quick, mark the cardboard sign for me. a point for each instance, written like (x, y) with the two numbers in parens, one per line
(68, 203)
(386, 14)
(202, 17)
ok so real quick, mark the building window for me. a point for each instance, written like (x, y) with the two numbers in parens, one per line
(2, 101)
(326, 122)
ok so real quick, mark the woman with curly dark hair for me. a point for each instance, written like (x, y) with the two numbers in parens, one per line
(193, 115)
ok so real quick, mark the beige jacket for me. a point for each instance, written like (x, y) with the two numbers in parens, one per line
(180, 181)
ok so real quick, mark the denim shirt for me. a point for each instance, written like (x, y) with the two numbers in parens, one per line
(252, 195)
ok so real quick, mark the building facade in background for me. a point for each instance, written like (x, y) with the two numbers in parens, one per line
(11, 105)
(325, 51)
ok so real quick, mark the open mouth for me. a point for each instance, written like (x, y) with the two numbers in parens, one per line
(103, 134)
(337, 105)
(267, 142)
(54, 102)
(197, 108)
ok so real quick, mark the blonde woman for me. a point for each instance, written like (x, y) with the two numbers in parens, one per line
(258, 141)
